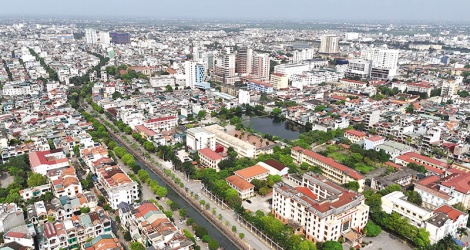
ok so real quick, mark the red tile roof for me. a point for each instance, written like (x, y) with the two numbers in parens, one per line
(160, 119)
(408, 157)
(451, 212)
(356, 133)
(352, 173)
(375, 138)
(38, 158)
(306, 191)
(459, 181)
(251, 172)
(238, 182)
(145, 130)
(210, 154)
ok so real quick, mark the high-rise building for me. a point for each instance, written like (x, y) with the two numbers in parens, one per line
(261, 65)
(104, 37)
(329, 44)
(244, 61)
(120, 37)
(358, 68)
(195, 73)
(383, 62)
(302, 55)
(225, 68)
(90, 36)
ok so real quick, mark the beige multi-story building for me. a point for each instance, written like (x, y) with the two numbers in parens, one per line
(244, 188)
(209, 158)
(225, 68)
(332, 170)
(320, 209)
(244, 61)
(261, 66)
(329, 44)
(243, 148)
(279, 81)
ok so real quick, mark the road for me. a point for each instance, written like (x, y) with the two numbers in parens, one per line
(228, 215)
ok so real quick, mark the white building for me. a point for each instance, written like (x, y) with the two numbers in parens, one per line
(243, 97)
(16, 89)
(10, 216)
(118, 186)
(396, 202)
(195, 73)
(372, 142)
(44, 161)
(322, 210)
(446, 220)
(329, 44)
(291, 69)
(358, 68)
(91, 36)
(104, 37)
(384, 62)
(199, 138)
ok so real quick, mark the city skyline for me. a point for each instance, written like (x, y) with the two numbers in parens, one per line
(361, 10)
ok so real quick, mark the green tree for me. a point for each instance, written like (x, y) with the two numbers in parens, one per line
(414, 197)
(117, 95)
(183, 213)
(137, 246)
(372, 229)
(127, 236)
(276, 112)
(168, 88)
(410, 109)
(201, 114)
(353, 185)
(332, 245)
(200, 231)
(462, 231)
(36, 179)
(213, 244)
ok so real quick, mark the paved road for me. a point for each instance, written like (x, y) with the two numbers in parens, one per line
(227, 214)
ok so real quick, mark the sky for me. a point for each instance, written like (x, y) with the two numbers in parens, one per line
(353, 10)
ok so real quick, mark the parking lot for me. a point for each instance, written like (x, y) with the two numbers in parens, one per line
(384, 241)
(259, 203)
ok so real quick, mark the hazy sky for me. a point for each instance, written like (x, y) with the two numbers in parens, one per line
(425, 10)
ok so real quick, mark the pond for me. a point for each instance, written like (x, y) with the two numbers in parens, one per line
(274, 126)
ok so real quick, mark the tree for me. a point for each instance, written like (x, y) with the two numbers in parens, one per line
(372, 229)
(168, 88)
(183, 213)
(414, 197)
(84, 210)
(149, 146)
(353, 185)
(200, 231)
(459, 206)
(137, 246)
(201, 114)
(410, 109)
(117, 95)
(36, 179)
(241, 235)
(419, 168)
(213, 244)
(332, 245)
(127, 236)
(128, 130)
(462, 231)
(276, 112)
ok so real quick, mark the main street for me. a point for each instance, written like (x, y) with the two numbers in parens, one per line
(228, 215)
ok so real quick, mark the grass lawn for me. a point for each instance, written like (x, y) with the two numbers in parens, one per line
(363, 168)
(338, 156)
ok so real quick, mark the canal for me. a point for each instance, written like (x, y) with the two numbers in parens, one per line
(274, 126)
(214, 233)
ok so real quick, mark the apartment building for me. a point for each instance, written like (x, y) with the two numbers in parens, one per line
(17, 89)
(244, 61)
(329, 44)
(200, 138)
(261, 66)
(43, 161)
(358, 68)
(209, 158)
(118, 186)
(161, 123)
(332, 170)
(150, 226)
(279, 81)
(224, 70)
(259, 86)
(372, 142)
(320, 209)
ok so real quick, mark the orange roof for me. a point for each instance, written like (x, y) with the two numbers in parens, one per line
(332, 163)
(410, 156)
(238, 182)
(356, 133)
(375, 138)
(451, 212)
(210, 154)
(251, 172)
